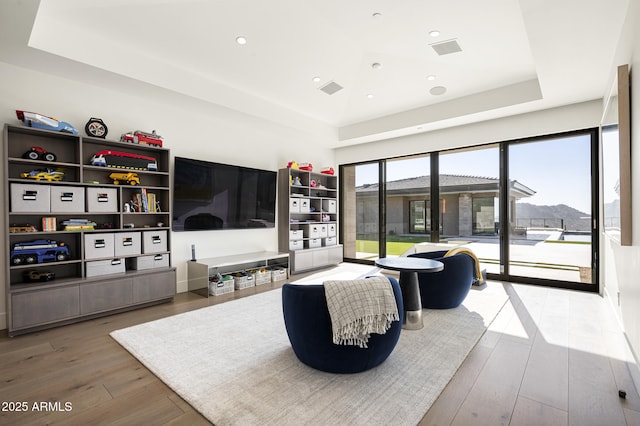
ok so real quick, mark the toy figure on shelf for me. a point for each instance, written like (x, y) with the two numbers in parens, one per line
(296, 181)
(292, 165)
(312, 184)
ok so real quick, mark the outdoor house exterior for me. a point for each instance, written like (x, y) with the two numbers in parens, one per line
(467, 205)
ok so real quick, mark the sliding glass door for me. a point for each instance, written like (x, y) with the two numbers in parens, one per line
(469, 202)
(550, 209)
(527, 209)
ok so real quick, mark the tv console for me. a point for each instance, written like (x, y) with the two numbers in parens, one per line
(199, 271)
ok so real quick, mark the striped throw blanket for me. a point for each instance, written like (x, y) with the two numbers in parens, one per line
(360, 307)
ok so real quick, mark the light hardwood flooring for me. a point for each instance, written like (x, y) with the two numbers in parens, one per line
(551, 357)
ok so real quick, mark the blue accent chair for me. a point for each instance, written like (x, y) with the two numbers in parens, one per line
(308, 324)
(448, 288)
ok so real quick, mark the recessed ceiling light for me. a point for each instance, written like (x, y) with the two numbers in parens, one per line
(369, 96)
(438, 90)
(434, 33)
(316, 79)
(376, 65)
(377, 15)
(431, 77)
(241, 40)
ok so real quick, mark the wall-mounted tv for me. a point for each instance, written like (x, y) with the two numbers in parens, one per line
(210, 196)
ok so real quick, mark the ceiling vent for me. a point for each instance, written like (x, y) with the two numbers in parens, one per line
(446, 47)
(331, 87)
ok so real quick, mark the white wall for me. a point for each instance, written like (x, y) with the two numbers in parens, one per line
(579, 116)
(190, 128)
(621, 265)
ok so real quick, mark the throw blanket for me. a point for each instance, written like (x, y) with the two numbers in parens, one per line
(360, 307)
(467, 251)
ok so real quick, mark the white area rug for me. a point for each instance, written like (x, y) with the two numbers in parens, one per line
(234, 364)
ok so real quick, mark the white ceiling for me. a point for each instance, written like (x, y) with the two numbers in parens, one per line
(517, 55)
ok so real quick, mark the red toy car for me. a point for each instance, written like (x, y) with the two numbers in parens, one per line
(140, 137)
(37, 153)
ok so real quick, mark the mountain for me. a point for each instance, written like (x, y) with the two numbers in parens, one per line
(552, 217)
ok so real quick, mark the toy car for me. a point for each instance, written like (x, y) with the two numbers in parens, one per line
(44, 174)
(130, 178)
(327, 171)
(38, 251)
(305, 166)
(144, 138)
(23, 228)
(39, 121)
(96, 127)
(37, 153)
(33, 275)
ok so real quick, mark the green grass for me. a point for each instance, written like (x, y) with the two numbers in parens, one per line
(396, 245)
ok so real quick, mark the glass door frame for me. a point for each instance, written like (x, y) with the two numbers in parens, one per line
(504, 229)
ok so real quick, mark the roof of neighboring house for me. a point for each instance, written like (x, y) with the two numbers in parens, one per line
(448, 184)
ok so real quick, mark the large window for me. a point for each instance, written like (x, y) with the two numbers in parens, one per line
(526, 208)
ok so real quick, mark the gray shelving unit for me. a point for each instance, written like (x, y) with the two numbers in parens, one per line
(308, 219)
(123, 265)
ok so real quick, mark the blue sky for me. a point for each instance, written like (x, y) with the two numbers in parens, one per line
(559, 170)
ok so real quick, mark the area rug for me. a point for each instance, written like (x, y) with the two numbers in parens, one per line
(233, 363)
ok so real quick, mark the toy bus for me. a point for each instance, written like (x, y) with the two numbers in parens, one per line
(124, 160)
(38, 251)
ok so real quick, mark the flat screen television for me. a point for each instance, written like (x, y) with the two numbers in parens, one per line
(210, 196)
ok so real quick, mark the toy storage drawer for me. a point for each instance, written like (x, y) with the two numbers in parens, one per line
(330, 241)
(30, 198)
(332, 230)
(314, 242)
(296, 245)
(150, 262)
(305, 206)
(105, 267)
(127, 243)
(97, 246)
(329, 206)
(102, 200)
(294, 205)
(154, 241)
(296, 234)
(67, 199)
(312, 231)
(323, 231)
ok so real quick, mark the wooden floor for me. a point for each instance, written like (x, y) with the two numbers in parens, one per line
(551, 357)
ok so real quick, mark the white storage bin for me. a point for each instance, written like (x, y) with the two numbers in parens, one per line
(332, 230)
(30, 198)
(278, 274)
(221, 287)
(323, 231)
(296, 245)
(243, 281)
(296, 234)
(314, 242)
(330, 241)
(102, 199)
(261, 277)
(98, 245)
(311, 231)
(305, 206)
(154, 241)
(294, 205)
(329, 206)
(150, 262)
(105, 267)
(67, 199)
(127, 243)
